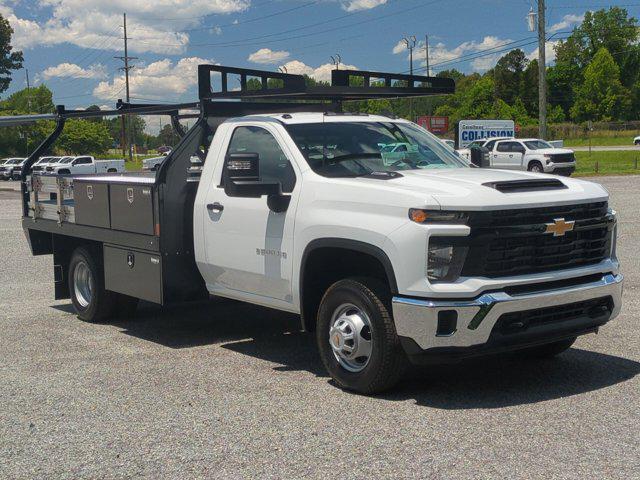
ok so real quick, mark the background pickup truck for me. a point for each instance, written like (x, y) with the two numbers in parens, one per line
(11, 168)
(529, 154)
(387, 257)
(84, 165)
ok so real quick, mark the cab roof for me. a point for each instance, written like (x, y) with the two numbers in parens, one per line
(318, 117)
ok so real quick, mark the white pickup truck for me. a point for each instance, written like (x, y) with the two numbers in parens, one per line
(529, 154)
(84, 164)
(409, 256)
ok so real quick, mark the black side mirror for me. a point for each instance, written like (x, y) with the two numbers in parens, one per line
(480, 157)
(241, 177)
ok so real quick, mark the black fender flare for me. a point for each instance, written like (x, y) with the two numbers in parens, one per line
(345, 244)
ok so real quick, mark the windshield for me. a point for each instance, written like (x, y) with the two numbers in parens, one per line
(537, 145)
(15, 161)
(341, 149)
(66, 160)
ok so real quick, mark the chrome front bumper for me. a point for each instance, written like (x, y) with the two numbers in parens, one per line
(417, 319)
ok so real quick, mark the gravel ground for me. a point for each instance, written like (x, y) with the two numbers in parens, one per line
(227, 390)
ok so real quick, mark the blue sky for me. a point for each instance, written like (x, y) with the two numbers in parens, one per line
(70, 44)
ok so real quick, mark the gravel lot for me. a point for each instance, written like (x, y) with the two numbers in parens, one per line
(233, 391)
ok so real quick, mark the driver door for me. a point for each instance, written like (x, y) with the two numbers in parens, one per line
(249, 247)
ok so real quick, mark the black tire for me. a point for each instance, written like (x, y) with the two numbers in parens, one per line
(387, 361)
(636, 143)
(551, 349)
(536, 167)
(64, 172)
(101, 303)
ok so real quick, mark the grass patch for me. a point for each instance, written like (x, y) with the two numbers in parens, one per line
(608, 163)
(600, 141)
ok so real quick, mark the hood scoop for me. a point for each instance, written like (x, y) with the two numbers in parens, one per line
(516, 186)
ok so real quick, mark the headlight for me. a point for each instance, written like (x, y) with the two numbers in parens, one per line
(437, 216)
(444, 262)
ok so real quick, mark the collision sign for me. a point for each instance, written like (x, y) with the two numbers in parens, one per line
(471, 130)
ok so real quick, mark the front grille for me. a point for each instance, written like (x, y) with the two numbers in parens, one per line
(3, 169)
(517, 322)
(563, 158)
(513, 242)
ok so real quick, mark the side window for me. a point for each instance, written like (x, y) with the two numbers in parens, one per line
(274, 165)
(518, 147)
(504, 147)
(83, 160)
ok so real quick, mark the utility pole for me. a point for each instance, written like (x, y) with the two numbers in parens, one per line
(426, 53)
(126, 69)
(542, 72)
(410, 42)
(26, 133)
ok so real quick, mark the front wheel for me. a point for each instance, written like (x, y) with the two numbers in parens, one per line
(357, 338)
(536, 167)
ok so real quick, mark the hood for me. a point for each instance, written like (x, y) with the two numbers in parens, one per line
(553, 151)
(465, 189)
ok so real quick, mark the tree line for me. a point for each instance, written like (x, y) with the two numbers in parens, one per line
(596, 77)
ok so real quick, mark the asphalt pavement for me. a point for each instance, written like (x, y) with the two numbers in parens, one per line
(226, 390)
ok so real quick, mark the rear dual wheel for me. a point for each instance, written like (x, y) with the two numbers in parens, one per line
(356, 336)
(86, 286)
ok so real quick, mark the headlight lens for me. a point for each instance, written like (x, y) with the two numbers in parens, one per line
(445, 262)
(437, 216)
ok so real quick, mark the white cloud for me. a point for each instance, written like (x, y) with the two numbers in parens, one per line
(267, 56)
(74, 71)
(162, 80)
(567, 22)
(152, 25)
(322, 73)
(356, 5)
(439, 54)
(399, 47)
(550, 51)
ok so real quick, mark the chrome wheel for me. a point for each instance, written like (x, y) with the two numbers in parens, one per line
(83, 284)
(350, 337)
(536, 168)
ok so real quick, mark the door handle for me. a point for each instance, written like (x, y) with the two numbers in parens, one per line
(215, 207)
(510, 156)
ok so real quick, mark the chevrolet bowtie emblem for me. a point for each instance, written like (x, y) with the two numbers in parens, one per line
(559, 227)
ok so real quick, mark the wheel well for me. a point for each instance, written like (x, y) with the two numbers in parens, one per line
(64, 171)
(63, 248)
(111, 170)
(323, 266)
(535, 160)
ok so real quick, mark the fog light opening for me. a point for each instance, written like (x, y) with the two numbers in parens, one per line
(447, 323)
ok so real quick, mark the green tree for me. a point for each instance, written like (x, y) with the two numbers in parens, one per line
(9, 60)
(33, 100)
(167, 136)
(508, 75)
(612, 29)
(601, 97)
(529, 90)
(85, 137)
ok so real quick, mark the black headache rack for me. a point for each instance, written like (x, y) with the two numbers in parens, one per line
(144, 222)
